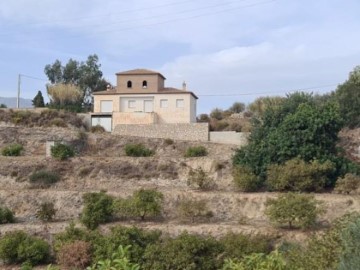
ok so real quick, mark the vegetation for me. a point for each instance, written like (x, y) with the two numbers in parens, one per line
(75, 255)
(38, 101)
(349, 183)
(12, 150)
(138, 150)
(199, 179)
(299, 210)
(196, 151)
(6, 215)
(62, 151)
(46, 212)
(98, 208)
(3, 106)
(298, 175)
(19, 247)
(245, 179)
(237, 107)
(193, 210)
(97, 129)
(43, 178)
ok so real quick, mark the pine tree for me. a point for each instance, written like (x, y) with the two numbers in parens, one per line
(38, 101)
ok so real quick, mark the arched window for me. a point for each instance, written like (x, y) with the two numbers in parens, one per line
(144, 84)
(129, 84)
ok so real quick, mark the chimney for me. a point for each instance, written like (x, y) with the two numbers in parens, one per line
(184, 86)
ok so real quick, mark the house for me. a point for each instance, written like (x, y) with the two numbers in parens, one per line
(141, 98)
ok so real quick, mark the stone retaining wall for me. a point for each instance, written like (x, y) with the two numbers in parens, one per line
(185, 132)
(229, 137)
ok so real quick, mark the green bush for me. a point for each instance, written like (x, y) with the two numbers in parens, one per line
(98, 208)
(138, 150)
(6, 215)
(19, 247)
(62, 151)
(245, 179)
(350, 182)
(193, 210)
(46, 212)
(199, 179)
(299, 210)
(12, 150)
(43, 178)
(196, 151)
(298, 175)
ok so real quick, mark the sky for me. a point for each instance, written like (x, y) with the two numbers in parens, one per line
(225, 50)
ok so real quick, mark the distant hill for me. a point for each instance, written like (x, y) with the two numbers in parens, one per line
(10, 102)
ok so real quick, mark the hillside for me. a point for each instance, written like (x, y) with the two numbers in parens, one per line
(10, 102)
(102, 165)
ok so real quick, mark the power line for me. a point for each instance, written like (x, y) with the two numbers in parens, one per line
(266, 93)
(32, 77)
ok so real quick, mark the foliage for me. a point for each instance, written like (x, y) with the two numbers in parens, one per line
(18, 247)
(118, 261)
(261, 104)
(169, 141)
(199, 179)
(236, 246)
(245, 179)
(97, 129)
(350, 239)
(98, 208)
(43, 178)
(298, 175)
(237, 107)
(65, 96)
(189, 209)
(62, 151)
(196, 151)
(38, 101)
(298, 127)
(348, 97)
(203, 118)
(46, 212)
(87, 76)
(258, 261)
(217, 114)
(12, 150)
(76, 255)
(186, 251)
(299, 210)
(26, 266)
(6, 215)
(138, 150)
(350, 182)
(147, 203)
(3, 106)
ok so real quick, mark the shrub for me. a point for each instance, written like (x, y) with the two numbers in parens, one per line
(18, 247)
(298, 175)
(98, 208)
(245, 179)
(196, 151)
(294, 209)
(58, 122)
(97, 129)
(75, 255)
(62, 151)
(46, 212)
(12, 150)
(6, 215)
(193, 210)
(147, 203)
(198, 178)
(237, 107)
(203, 118)
(217, 113)
(168, 141)
(43, 178)
(138, 150)
(350, 182)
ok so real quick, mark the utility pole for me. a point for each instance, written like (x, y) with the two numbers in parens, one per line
(18, 94)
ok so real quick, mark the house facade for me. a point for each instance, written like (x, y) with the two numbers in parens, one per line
(141, 98)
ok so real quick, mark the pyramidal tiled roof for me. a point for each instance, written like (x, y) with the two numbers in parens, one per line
(139, 71)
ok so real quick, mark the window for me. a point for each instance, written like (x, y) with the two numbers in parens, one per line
(144, 84)
(131, 104)
(179, 103)
(129, 84)
(163, 103)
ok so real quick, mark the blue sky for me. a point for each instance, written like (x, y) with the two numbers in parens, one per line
(225, 50)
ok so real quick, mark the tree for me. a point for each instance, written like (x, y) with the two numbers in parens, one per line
(261, 104)
(217, 114)
(300, 210)
(350, 182)
(147, 203)
(3, 106)
(348, 96)
(189, 209)
(38, 101)
(98, 208)
(350, 236)
(87, 76)
(237, 107)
